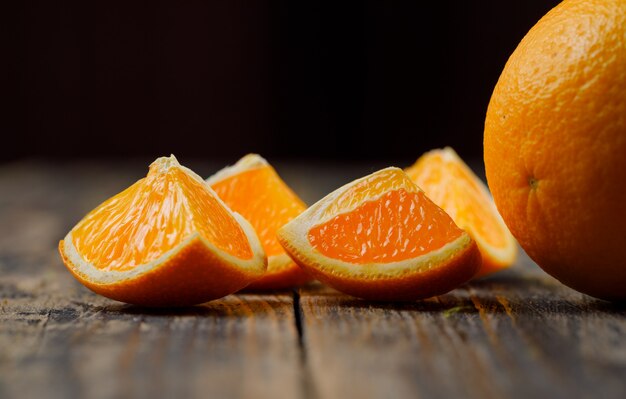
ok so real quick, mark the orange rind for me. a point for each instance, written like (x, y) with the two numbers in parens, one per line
(381, 238)
(168, 240)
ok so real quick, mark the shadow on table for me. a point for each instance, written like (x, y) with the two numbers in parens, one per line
(505, 294)
(232, 306)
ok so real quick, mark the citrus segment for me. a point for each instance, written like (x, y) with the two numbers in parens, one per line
(381, 238)
(167, 240)
(386, 229)
(253, 189)
(148, 223)
(452, 185)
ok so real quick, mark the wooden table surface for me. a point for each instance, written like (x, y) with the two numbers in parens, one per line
(518, 334)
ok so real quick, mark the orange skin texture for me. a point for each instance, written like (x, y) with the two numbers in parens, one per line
(555, 145)
(289, 277)
(192, 276)
(410, 286)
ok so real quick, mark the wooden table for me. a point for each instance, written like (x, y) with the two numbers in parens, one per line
(518, 334)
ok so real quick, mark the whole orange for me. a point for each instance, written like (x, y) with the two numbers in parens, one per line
(555, 145)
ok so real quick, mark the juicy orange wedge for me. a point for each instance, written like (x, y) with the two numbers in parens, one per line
(253, 189)
(167, 240)
(452, 185)
(381, 238)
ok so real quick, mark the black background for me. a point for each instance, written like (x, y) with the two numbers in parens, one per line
(380, 80)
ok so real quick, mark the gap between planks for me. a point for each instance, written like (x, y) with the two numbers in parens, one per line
(306, 376)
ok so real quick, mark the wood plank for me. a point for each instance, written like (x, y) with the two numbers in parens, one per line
(519, 334)
(60, 341)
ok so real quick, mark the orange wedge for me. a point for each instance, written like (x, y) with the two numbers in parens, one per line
(452, 185)
(167, 240)
(253, 189)
(381, 238)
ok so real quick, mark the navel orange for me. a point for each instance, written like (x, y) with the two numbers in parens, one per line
(381, 238)
(555, 145)
(452, 185)
(167, 240)
(253, 189)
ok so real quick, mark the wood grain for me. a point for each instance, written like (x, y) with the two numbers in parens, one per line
(65, 343)
(518, 334)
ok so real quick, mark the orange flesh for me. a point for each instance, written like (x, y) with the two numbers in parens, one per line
(153, 216)
(261, 197)
(370, 187)
(450, 186)
(398, 225)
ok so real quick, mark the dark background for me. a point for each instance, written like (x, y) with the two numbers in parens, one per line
(380, 80)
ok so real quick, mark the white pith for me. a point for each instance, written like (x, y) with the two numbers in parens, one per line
(248, 162)
(279, 262)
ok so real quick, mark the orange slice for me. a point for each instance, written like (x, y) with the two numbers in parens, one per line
(452, 185)
(381, 238)
(167, 240)
(253, 189)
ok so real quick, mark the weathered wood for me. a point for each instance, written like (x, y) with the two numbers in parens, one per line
(67, 342)
(518, 334)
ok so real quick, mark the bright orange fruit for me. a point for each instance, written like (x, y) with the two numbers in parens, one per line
(167, 240)
(253, 189)
(555, 145)
(381, 238)
(452, 185)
